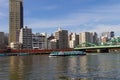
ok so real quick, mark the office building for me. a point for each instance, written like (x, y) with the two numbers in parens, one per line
(15, 19)
(95, 38)
(2, 43)
(39, 41)
(62, 39)
(85, 37)
(108, 35)
(73, 40)
(25, 38)
(6, 35)
(52, 44)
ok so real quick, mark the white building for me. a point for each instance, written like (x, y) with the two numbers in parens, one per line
(25, 38)
(15, 45)
(39, 41)
(73, 41)
(53, 44)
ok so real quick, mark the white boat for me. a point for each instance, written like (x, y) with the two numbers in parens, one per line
(67, 53)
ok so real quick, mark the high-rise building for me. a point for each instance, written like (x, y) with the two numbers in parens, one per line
(85, 37)
(25, 38)
(95, 38)
(2, 44)
(6, 38)
(39, 41)
(62, 39)
(106, 36)
(109, 35)
(15, 19)
(73, 40)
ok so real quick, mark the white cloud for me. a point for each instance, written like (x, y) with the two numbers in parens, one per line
(105, 28)
(71, 20)
(79, 22)
(92, 17)
(83, 20)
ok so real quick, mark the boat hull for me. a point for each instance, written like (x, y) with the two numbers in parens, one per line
(69, 53)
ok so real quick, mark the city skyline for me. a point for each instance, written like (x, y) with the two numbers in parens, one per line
(74, 16)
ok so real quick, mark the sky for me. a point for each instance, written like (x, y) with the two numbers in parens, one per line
(72, 15)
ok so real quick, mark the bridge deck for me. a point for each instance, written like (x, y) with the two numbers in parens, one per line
(98, 47)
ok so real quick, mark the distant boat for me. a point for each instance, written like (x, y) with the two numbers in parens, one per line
(67, 53)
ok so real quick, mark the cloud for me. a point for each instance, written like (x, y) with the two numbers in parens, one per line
(77, 22)
(4, 15)
(106, 28)
(74, 19)
(97, 17)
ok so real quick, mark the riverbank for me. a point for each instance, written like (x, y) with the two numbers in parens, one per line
(13, 52)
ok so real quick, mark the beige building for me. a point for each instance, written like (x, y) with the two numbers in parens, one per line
(85, 37)
(62, 39)
(15, 19)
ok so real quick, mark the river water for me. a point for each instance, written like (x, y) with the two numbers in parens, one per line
(93, 66)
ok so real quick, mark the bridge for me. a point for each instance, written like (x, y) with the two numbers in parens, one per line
(100, 49)
(110, 46)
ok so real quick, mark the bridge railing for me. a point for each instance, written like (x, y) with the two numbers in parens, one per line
(112, 42)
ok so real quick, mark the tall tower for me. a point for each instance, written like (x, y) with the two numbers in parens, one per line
(15, 19)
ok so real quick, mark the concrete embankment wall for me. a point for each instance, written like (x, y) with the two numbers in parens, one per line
(32, 51)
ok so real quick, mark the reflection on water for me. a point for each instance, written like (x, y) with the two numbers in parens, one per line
(41, 67)
(18, 67)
